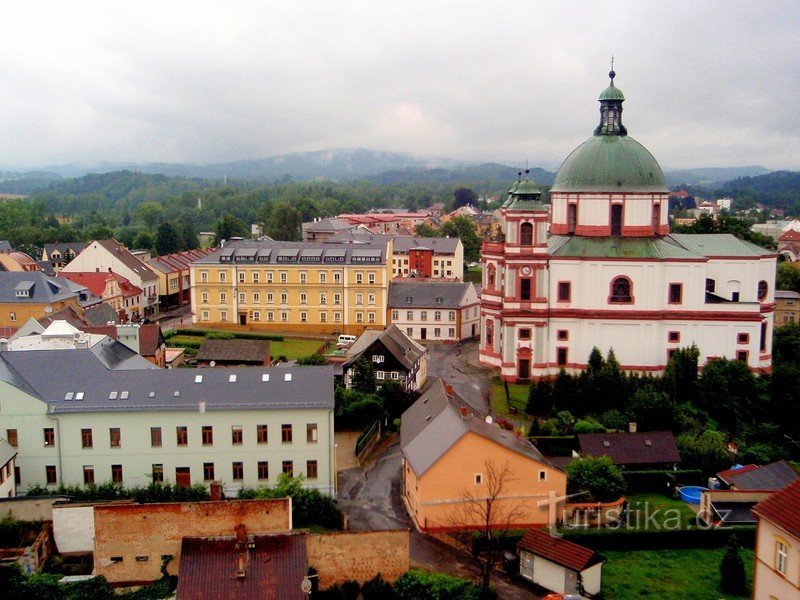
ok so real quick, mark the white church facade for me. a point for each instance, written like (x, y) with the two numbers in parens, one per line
(598, 267)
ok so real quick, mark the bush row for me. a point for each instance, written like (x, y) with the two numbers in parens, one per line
(651, 539)
(239, 335)
(413, 585)
(154, 492)
(641, 482)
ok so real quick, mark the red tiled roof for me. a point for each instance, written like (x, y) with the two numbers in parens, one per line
(782, 509)
(109, 330)
(646, 447)
(564, 553)
(273, 569)
(790, 235)
(150, 339)
(725, 475)
(95, 282)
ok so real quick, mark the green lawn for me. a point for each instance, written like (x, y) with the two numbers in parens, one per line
(291, 348)
(667, 574)
(665, 511)
(473, 275)
(518, 393)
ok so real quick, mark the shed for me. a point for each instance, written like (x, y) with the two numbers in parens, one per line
(226, 353)
(559, 565)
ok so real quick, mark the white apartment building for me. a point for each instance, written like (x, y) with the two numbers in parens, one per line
(443, 311)
(100, 414)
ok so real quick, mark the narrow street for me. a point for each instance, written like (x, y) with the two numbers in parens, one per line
(457, 364)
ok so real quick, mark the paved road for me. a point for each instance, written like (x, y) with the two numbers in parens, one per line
(372, 500)
(456, 364)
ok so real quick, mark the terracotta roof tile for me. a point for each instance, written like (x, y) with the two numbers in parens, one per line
(564, 553)
(782, 509)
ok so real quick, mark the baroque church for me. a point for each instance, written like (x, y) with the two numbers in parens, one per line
(598, 267)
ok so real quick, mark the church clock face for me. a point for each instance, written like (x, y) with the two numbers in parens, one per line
(526, 270)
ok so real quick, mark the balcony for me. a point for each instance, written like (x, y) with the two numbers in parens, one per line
(492, 248)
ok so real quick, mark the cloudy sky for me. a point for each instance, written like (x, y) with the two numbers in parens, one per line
(707, 83)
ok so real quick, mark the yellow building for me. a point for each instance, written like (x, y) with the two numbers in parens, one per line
(26, 294)
(306, 287)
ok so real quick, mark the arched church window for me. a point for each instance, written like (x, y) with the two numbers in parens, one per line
(621, 291)
(526, 234)
(763, 288)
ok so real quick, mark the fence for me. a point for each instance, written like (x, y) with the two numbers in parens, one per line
(366, 438)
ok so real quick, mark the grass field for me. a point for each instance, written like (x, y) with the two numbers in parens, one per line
(473, 275)
(668, 574)
(291, 348)
(518, 393)
(662, 508)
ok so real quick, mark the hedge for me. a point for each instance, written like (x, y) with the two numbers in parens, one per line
(641, 482)
(651, 539)
(239, 335)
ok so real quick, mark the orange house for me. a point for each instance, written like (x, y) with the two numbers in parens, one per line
(454, 458)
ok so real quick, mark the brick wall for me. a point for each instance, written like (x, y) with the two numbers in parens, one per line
(357, 555)
(130, 540)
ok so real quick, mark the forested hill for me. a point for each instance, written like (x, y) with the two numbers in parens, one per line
(485, 177)
(779, 189)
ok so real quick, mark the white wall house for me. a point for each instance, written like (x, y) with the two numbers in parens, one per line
(602, 270)
(558, 565)
(102, 255)
(8, 455)
(80, 417)
(439, 311)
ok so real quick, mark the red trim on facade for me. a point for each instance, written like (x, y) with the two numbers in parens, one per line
(627, 315)
(637, 230)
(669, 292)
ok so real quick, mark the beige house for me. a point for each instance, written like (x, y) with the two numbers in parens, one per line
(787, 307)
(777, 574)
(453, 458)
(433, 310)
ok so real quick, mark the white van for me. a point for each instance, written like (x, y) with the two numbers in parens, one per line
(345, 341)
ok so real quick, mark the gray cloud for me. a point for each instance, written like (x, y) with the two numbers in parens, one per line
(707, 83)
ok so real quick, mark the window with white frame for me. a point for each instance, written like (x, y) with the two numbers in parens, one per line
(337, 298)
(423, 315)
(270, 276)
(451, 333)
(337, 277)
(323, 298)
(204, 276)
(437, 332)
(451, 315)
(204, 297)
(241, 298)
(781, 557)
(359, 277)
(270, 298)
(303, 276)
(371, 299)
(323, 277)
(256, 297)
(284, 297)
(377, 358)
(270, 316)
(303, 298)
(359, 317)
(337, 317)
(380, 375)
(223, 298)
(283, 276)
(359, 299)
(371, 277)
(284, 316)
(303, 316)
(256, 315)
(323, 317)
(223, 276)
(223, 315)
(241, 276)
(409, 315)
(395, 315)
(437, 315)
(204, 315)
(371, 317)
(255, 276)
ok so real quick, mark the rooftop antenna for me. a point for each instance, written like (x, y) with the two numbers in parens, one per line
(612, 73)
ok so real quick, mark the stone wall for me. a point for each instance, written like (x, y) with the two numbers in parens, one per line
(73, 528)
(357, 555)
(24, 508)
(132, 540)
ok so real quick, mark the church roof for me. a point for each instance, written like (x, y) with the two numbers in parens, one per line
(683, 246)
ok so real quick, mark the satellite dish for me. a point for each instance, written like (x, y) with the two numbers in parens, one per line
(48, 309)
(489, 419)
(305, 586)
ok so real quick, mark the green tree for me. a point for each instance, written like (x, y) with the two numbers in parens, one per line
(680, 376)
(167, 239)
(97, 231)
(143, 241)
(652, 409)
(151, 214)
(363, 379)
(731, 570)
(706, 450)
(596, 476)
(229, 227)
(788, 277)
(188, 236)
(730, 393)
(425, 230)
(284, 223)
(463, 197)
(785, 381)
(466, 230)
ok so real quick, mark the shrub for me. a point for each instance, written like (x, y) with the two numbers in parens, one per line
(658, 539)
(597, 476)
(220, 335)
(422, 585)
(588, 425)
(309, 506)
(313, 359)
(378, 589)
(731, 570)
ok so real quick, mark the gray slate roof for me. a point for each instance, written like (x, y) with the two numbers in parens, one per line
(439, 245)
(331, 224)
(272, 252)
(112, 381)
(234, 350)
(434, 423)
(129, 260)
(39, 287)
(427, 294)
(774, 476)
(402, 347)
(786, 295)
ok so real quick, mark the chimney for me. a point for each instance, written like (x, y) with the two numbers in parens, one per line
(631, 427)
(464, 412)
(3, 345)
(201, 406)
(216, 491)
(449, 389)
(241, 533)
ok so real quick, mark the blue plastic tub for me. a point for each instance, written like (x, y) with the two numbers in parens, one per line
(691, 493)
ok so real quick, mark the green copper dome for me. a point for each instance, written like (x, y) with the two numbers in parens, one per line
(610, 163)
(612, 92)
(610, 160)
